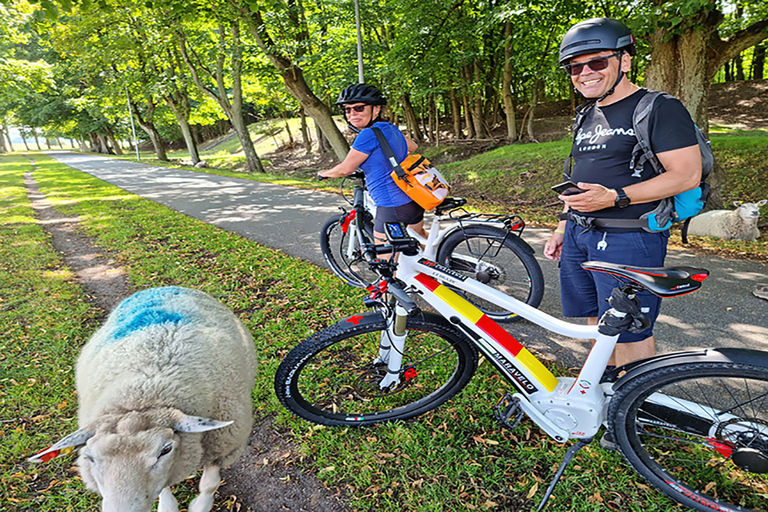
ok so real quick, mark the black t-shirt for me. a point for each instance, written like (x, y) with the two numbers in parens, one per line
(602, 147)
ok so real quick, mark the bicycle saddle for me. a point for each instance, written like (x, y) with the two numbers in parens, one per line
(449, 203)
(664, 281)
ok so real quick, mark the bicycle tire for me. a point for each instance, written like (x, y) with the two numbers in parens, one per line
(333, 244)
(497, 258)
(330, 379)
(686, 457)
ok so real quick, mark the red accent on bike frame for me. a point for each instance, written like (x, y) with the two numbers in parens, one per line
(347, 220)
(723, 448)
(486, 324)
(355, 319)
(409, 374)
(427, 281)
(496, 332)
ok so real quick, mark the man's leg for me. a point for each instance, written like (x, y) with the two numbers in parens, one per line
(627, 352)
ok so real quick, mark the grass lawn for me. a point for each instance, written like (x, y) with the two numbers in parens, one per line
(455, 458)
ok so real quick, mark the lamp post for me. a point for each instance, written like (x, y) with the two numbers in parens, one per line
(133, 129)
(359, 43)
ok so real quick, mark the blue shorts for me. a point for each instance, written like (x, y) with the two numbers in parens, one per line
(409, 213)
(584, 293)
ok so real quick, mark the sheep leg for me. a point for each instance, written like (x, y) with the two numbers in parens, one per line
(167, 502)
(209, 482)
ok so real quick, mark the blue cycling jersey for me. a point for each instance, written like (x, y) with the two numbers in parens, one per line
(377, 170)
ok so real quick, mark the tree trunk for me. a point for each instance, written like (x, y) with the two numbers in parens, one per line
(288, 129)
(2, 140)
(411, 121)
(8, 138)
(111, 138)
(758, 62)
(23, 138)
(684, 64)
(305, 132)
(456, 114)
(506, 85)
(293, 77)
(37, 141)
(179, 105)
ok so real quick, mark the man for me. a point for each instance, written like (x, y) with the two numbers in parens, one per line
(597, 55)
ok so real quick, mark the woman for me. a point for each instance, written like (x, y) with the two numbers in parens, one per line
(361, 106)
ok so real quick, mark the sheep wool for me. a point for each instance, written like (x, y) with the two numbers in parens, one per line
(738, 224)
(164, 388)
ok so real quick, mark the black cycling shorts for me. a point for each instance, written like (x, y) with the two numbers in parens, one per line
(408, 214)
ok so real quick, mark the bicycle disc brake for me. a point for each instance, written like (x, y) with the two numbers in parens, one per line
(749, 441)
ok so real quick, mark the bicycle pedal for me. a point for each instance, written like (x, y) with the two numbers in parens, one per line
(505, 408)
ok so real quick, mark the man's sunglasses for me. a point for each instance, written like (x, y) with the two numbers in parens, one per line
(356, 108)
(596, 64)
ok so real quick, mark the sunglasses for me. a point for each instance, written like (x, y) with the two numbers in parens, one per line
(356, 108)
(596, 64)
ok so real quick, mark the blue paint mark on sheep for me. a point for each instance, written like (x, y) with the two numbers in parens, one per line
(147, 308)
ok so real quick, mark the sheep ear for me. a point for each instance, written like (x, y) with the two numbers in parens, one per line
(197, 424)
(737, 203)
(70, 443)
(761, 203)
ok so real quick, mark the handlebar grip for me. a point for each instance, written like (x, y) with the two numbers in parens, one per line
(321, 178)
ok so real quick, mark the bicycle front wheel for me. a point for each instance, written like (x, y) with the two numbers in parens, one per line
(698, 432)
(497, 258)
(333, 378)
(341, 252)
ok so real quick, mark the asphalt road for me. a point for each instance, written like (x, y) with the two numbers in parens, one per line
(723, 313)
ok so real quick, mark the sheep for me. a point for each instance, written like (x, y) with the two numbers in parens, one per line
(164, 388)
(738, 224)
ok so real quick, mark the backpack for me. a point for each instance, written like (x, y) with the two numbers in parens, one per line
(680, 207)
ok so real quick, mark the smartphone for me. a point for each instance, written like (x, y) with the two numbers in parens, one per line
(567, 188)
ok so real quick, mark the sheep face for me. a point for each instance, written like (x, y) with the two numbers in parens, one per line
(129, 470)
(749, 211)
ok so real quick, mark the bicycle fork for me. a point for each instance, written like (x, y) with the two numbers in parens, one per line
(391, 348)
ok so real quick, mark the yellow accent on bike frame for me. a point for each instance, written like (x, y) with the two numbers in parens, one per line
(477, 317)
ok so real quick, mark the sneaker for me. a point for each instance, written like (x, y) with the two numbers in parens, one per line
(761, 292)
(608, 443)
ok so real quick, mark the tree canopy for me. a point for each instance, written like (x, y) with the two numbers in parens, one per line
(73, 66)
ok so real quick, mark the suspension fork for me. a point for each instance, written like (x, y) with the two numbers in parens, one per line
(392, 346)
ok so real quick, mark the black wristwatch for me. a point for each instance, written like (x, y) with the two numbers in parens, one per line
(622, 199)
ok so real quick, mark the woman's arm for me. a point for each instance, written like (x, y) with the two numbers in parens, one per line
(353, 160)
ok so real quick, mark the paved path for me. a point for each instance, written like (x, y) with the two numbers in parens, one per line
(723, 313)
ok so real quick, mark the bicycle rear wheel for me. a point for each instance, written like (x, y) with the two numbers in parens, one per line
(331, 378)
(698, 432)
(342, 253)
(497, 258)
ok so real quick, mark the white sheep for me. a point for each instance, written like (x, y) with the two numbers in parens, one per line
(164, 389)
(738, 224)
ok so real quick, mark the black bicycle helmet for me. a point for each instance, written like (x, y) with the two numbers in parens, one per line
(361, 93)
(596, 35)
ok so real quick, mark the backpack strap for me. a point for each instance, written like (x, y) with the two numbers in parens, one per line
(642, 153)
(581, 113)
(387, 149)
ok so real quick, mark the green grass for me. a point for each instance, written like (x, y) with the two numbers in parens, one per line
(455, 458)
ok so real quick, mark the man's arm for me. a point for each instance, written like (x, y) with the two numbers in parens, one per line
(683, 172)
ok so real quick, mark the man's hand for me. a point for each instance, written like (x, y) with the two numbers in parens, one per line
(554, 246)
(596, 197)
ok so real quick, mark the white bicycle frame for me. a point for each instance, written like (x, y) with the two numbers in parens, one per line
(564, 407)
(430, 244)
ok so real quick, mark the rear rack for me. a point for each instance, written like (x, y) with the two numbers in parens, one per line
(514, 223)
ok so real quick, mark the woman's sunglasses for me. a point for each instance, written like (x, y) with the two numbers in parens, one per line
(356, 108)
(597, 64)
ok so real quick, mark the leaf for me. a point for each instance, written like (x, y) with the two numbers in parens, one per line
(532, 491)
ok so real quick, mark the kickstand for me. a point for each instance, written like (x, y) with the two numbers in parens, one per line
(581, 443)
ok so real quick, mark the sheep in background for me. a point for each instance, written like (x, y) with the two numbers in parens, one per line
(164, 389)
(738, 224)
